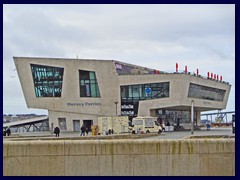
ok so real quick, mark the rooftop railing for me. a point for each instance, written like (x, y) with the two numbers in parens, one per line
(173, 72)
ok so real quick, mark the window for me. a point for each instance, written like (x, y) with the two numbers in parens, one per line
(47, 80)
(137, 122)
(145, 91)
(88, 84)
(204, 92)
(132, 94)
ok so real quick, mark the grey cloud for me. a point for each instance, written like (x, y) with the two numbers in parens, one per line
(39, 34)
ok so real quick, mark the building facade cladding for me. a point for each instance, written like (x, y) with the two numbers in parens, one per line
(89, 89)
(178, 99)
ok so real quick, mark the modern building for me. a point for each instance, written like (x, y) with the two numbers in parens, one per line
(77, 91)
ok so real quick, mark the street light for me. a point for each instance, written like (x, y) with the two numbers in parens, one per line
(116, 106)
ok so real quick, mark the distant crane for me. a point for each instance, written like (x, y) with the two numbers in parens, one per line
(219, 115)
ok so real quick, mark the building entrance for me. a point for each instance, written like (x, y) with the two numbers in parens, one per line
(88, 124)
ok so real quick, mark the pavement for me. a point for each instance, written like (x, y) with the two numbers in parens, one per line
(215, 131)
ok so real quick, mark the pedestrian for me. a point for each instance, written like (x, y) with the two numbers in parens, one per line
(208, 126)
(109, 132)
(86, 131)
(8, 131)
(82, 131)
(57, 131)
(168, 124)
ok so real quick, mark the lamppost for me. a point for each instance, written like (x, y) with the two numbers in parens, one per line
(116, 106)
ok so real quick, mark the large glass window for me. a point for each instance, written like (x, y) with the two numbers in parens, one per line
(145, 91)
(204, 92)
(132, 94)
(47, 80)
(88, 84)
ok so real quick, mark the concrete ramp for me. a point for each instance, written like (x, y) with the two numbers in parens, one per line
(31, 121)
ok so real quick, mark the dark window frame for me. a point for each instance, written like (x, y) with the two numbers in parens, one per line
(88, 84)
(47, 80)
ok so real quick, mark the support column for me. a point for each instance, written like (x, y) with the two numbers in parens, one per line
(198, 113)
(192, 117)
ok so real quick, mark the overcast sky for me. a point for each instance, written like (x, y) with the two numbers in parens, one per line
(154, 36)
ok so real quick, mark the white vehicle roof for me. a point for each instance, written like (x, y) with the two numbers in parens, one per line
(144, 117)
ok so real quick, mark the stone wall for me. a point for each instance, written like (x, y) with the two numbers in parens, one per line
(198, 157)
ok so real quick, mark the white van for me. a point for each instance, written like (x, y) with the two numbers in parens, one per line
(145, 125)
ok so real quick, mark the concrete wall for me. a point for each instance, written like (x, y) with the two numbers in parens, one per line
(208, 157)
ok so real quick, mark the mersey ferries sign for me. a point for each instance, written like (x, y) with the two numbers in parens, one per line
(82, 104)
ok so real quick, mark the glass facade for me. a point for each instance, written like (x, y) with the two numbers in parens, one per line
(176, 118)
(132, 94)
(47, 80)
(204, 92)
(88, 84)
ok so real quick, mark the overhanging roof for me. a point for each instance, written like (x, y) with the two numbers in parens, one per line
(25, 122)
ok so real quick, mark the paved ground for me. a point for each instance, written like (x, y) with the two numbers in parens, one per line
(185, 134)
(164, 135)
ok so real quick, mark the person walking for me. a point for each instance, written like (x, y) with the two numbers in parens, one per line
(168, 124)
(86, 131)
(8, 131)
(82, 131)
(57, 131)
(208, 126)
